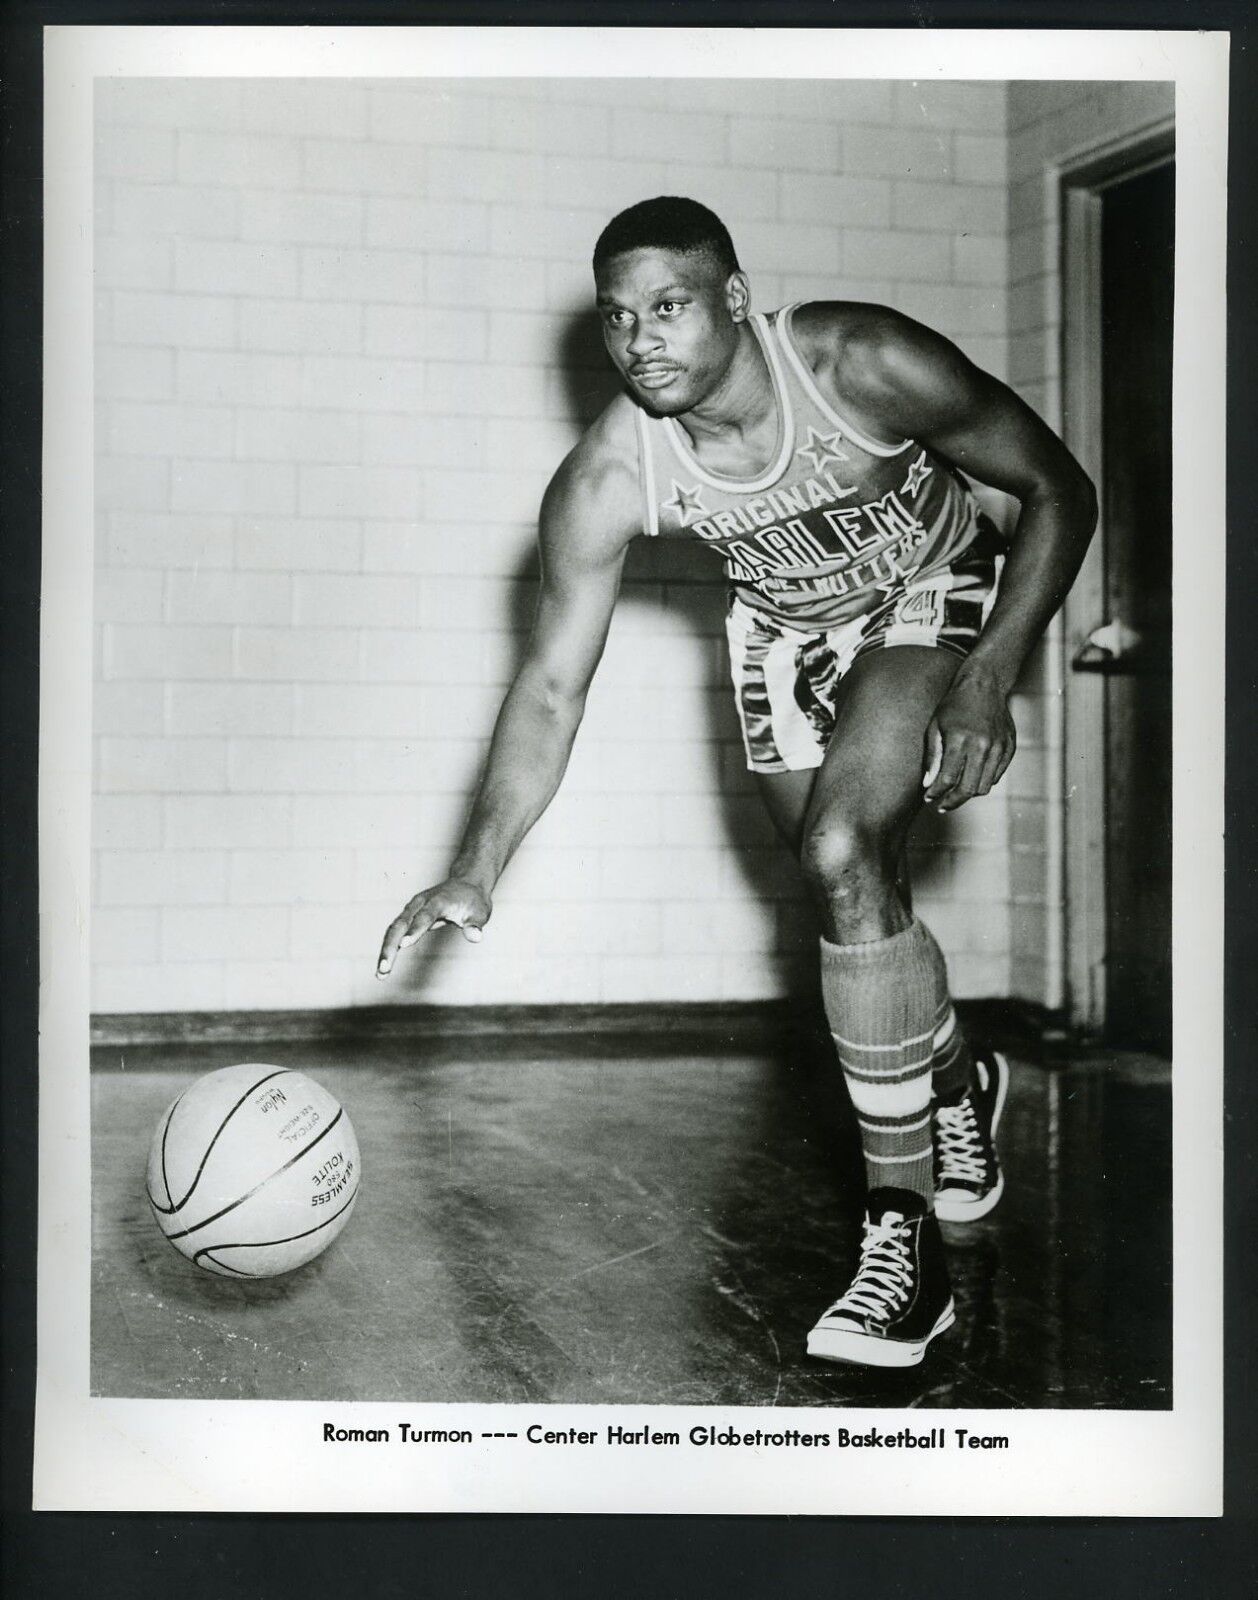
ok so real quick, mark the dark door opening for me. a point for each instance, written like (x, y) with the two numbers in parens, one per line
(1137, 303)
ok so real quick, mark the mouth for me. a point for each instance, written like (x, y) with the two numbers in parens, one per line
(655, 377)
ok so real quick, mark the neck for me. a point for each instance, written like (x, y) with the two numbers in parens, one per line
(742, 401)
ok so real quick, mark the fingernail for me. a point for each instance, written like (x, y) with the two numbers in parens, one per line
(474, 934)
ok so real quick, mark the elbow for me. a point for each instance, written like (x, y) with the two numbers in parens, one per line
(563, 707)
(1073, 496)
(1088, 504)
(558, 701)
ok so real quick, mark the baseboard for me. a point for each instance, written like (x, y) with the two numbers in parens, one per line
(753, 1024)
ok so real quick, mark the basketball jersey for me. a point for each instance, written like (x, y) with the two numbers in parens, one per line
(833, 526)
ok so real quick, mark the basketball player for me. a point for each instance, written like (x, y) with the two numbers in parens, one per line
(876, 628)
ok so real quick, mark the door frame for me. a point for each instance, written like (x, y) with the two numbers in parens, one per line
(1081, 182)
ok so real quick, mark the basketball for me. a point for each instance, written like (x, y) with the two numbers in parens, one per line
(253, 1171)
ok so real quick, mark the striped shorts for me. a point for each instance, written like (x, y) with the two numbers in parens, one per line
(785, 680)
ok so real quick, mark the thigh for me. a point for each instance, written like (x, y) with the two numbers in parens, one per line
(871, 777)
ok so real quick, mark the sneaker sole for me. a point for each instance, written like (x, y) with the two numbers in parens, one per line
(867, 1350)
(963, 1207)
(969, 1208)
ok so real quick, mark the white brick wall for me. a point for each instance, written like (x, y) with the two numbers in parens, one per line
(338, 356)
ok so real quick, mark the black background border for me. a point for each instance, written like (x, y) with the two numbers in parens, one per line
(262, 1557)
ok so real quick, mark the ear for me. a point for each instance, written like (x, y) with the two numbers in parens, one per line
(738, 296)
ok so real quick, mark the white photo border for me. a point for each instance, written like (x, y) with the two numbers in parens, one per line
(96, 1453)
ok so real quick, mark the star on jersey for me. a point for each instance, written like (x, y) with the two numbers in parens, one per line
(889, 585)
(821, 447)
(918, 473)
(686, 503)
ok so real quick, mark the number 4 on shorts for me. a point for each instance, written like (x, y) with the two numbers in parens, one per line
(924, 606)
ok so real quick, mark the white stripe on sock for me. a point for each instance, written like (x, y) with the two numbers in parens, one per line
(890, 1099)
(851, 1044)
(904, 1127)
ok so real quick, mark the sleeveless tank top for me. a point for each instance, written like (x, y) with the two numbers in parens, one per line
(836, 522)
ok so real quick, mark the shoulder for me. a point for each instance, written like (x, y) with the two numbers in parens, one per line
(594, 495)
(877, 356)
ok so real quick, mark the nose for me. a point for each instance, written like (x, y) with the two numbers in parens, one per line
(643, 341)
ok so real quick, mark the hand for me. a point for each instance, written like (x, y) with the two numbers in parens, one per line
(969, 743)
(455, 901)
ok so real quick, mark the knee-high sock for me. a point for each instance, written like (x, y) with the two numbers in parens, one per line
(952, 1067)
(883, 1001)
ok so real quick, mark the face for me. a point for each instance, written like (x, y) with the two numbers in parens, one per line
(670, 324)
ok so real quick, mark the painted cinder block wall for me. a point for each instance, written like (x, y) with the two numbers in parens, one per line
(342, 340)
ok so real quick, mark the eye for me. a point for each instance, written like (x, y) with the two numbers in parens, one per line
(616, 319)
(669, 308)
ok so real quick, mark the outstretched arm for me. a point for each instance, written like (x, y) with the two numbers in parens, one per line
(920, 384)
(583, 537)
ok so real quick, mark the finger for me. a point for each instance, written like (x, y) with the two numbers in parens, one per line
(951, 767)
(993, 766)
(470, 930)
(966, 786)
(934, 754)
(1007, 755)
(404, 930)
(389, 948)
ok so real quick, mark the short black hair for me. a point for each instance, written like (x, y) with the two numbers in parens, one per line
(669, 222)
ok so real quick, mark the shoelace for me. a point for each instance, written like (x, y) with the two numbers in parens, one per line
(959, 1143)
(885, 1274)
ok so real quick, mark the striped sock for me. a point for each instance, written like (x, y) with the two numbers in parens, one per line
(952, 1066)
(882, 1000)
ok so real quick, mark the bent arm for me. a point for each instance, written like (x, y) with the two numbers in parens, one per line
(923, 385)
(920, 384)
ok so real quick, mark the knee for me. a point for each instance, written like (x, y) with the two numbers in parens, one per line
(844, 862)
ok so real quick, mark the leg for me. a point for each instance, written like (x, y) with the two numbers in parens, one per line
(884, 986)
(883, 976)
(787, 796)
(869, 789)
(883, 707)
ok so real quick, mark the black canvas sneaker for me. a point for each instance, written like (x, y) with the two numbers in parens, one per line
(899, 1299)
(968, 1179)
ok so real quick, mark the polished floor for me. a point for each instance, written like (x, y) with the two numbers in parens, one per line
(568, 1221)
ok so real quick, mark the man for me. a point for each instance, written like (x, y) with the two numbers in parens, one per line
(873, 654)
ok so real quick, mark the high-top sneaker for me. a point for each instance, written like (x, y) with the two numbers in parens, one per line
(899, 1299)
(968, 1179)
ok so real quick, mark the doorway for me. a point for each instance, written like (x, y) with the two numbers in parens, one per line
(1119, 262)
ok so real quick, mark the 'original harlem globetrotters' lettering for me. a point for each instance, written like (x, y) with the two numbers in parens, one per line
(788, 551)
